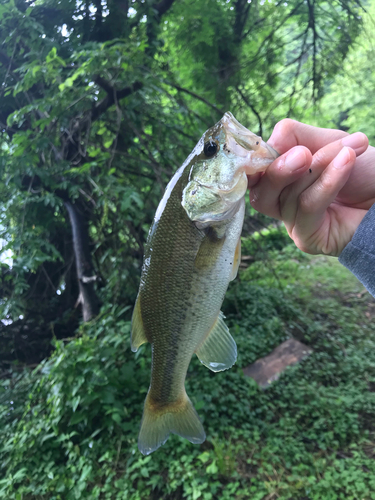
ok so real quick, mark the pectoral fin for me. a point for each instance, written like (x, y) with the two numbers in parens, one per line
(210, 249)
(138, 336)
(218, 351)
(236, 260)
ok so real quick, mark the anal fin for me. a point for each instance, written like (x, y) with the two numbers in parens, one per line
(218, 351)
(138, 336)
(236, 260)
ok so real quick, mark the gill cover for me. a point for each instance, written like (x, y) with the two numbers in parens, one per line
(207, 204)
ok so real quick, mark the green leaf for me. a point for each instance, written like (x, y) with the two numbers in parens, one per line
(212, 468)
(204, 457)
(51, 55)
(145, 472)
(116, 417)
(76, 418)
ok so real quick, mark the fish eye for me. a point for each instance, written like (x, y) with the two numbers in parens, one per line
(210, 148)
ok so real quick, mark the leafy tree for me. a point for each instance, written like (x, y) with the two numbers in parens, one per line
(100, 103)
(349, 101)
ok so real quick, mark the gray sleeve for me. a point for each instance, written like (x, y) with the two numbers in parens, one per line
(359, 254)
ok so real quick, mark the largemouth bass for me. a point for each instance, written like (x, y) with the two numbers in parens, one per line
(193, 251)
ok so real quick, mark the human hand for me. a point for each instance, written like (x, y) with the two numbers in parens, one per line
(321, 187)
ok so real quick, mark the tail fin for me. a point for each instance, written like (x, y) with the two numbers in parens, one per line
(177, 417)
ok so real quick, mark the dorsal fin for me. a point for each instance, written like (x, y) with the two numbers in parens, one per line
(138, 336)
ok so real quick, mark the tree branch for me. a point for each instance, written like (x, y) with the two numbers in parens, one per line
(196, 96)
(242, 9)
(248, 103)
(5, 60)
(112, 96)
(311, 6)
(277, 27)
(300, 58)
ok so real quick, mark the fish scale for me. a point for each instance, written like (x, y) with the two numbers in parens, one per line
(192, 253)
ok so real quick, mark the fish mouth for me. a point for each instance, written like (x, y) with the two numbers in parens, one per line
(258, 154)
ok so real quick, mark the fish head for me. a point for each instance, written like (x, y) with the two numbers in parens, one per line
(224, 156)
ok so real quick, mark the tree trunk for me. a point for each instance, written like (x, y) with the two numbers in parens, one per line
(85, 269)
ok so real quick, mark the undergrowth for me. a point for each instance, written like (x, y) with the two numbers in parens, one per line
(69, 428)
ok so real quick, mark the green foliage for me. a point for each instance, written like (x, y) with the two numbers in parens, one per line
(349, 102)
(101, 109)
(69, 428)
(269, 238)
(100, 104)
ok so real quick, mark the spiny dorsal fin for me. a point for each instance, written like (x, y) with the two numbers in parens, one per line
(138, 336)
(218, 351)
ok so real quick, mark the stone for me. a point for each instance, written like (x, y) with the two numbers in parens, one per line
(268, 369)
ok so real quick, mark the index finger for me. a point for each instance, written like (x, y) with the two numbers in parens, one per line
(289, 133)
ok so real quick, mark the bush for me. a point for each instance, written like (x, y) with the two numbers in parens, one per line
(69, 429)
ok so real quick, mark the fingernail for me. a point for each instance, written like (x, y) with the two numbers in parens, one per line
(342, 158)
(296, 159)
(354, 141)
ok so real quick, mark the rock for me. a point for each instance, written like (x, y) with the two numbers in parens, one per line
(268, 369)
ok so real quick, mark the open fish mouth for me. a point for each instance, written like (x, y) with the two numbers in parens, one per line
(245, 144)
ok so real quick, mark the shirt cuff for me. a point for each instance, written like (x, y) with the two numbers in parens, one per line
(359, 255)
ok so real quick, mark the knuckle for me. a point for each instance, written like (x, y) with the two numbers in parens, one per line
(284, 126)
(322, 156)
(328, 185)
(305, 203)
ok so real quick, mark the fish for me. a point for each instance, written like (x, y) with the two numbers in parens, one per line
(192, 252)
